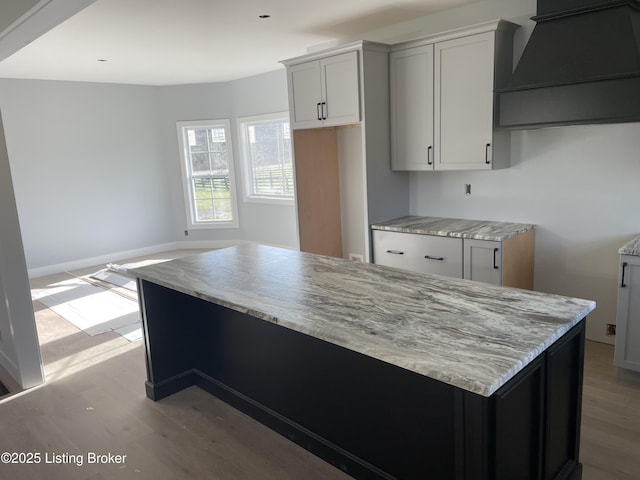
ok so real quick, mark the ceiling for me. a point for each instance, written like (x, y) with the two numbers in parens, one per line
(171, 42)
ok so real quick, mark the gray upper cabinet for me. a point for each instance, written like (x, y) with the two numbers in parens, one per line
(325, 92)
(442, 99)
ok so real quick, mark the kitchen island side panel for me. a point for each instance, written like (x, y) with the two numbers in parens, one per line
(369, 418)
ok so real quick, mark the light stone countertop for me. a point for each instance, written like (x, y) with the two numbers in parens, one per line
(631, 248)
(454, 227)
(471, 335)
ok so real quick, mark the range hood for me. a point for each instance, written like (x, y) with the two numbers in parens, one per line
(581, 65)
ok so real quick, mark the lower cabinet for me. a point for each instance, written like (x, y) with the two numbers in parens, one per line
(418, 253)
(483, 261)
(627, 353)
(545, 401)
(508, 262)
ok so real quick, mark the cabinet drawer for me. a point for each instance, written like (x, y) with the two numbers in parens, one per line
(418, 253)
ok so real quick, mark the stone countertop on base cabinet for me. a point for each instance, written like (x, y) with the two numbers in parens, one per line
(455, 227)
(631, 248)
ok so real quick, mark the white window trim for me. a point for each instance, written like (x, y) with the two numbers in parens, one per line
(245, 165)
(184, 168)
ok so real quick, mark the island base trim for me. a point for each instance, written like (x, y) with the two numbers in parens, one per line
(319, 446)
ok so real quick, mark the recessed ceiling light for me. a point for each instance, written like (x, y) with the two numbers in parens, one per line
(264, 16)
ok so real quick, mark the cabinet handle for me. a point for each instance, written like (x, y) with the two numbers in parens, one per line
(324, 110)
(624, 267)
(429, 257)
(429, 149)
(395, 252)
(318, 110)
(486, 154)
(495, 263)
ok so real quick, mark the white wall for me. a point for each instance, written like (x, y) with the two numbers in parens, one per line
(578, 184)
(19, 349)
(88, 171)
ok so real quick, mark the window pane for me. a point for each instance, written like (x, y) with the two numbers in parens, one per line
(212, 198)
(217, 135)
(268, 147)
(200, 163)
(209, 174)
(198, 139)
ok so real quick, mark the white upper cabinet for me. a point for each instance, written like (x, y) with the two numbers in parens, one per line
(305, 95)
(442, 99)
(325, 92)
(411, 83)
(464, 102)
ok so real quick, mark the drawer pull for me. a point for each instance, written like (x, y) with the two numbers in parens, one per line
(495, 263)
(624, 267)
(429, 257)
(395, 252)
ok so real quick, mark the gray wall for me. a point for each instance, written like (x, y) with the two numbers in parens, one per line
(96, 166)
(87, 166)
(266, 93)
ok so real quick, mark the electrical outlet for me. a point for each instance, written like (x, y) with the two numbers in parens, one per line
(354, 257)
(186, 233)
(611, 329)
(467, 189)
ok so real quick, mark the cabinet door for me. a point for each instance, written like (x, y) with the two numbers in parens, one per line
(464, 102)
(305, 96)
(411, 83)
(341, 88)
(483, 261)
(628, 316)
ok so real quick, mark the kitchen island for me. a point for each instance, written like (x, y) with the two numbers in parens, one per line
(382, 372)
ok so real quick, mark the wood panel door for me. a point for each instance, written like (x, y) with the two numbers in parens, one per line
(318, 191)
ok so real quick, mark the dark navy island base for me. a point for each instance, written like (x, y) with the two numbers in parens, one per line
(367, 417)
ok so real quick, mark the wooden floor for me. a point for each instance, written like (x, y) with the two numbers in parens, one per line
(94, 401)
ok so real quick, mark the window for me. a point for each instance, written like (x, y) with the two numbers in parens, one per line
(265, 142)
(207, 169)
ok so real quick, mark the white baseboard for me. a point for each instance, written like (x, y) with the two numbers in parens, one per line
(127, 254)
(186, 244)
(99, 260)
